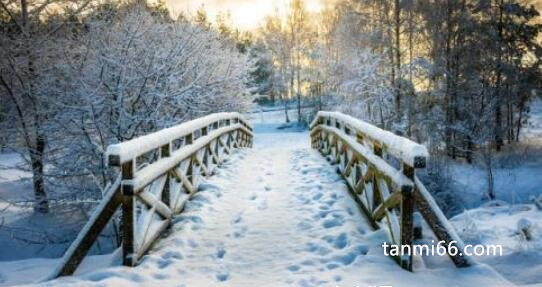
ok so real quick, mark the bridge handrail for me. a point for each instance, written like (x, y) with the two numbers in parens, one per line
(399, 180)
(388, 195)
(151, 193)
(409, 152)
(149, 173)
(120, 153)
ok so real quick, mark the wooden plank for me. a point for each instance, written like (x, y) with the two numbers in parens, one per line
(201, 162)
(122, 195)
(128, 231)
(165, 151)
(225, 146)
(146, 244)
(408, 197)
(390, 202)
(151, 201)
(128, 214)
(362, 207)
(166, 191)
(407, 220)
(186, 182)
(438, 227)
(92, 229)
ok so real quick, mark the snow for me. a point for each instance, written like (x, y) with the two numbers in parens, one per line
(398, 178)
(279, 215)
(513, 184)
(14, 180)
(275, 215)
(521, 261)
(441, 217)
(108, 196)
(400, 147)
(11, 167)
(28, 270)
(138, 146)
(153, 171)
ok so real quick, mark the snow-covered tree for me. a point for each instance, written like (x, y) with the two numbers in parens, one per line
(119, 71)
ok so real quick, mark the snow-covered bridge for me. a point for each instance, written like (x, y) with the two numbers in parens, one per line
(278, 214)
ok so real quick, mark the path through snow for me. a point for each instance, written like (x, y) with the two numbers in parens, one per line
(275, 215)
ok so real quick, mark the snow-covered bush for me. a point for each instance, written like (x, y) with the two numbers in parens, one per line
(525, 229)
(468, 229)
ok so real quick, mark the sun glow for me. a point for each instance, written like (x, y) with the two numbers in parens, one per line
(245, 14)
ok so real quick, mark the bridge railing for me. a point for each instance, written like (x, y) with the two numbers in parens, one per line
(379, 168)
(159, 173)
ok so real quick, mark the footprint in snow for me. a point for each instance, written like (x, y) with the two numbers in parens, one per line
(293, 268)
(347, 258)
(164, 263)
(338, 242)
(333, 265)
(172, 255)
(263, 206)
(222, 277)
(241, 232)
(220, 252)
(237, 219)
(317, 196)
(330, 223)
(160, 276)
(192, 243)
(317, 249)
(304, 225)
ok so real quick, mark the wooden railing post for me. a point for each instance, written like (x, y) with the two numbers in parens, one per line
(165, 151)
(188, 139)
(407, 218)
(377, 198)
(128, 214)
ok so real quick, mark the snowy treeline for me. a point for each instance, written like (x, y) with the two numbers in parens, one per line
(77, 76)
(471, 66)
(456, 75)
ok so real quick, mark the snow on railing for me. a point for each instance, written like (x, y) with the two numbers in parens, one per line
(387, 195)
(402, 148)
(125, 151)
(159, 173)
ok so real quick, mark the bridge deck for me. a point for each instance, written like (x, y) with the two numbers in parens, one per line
(287, 217)
(274, 215)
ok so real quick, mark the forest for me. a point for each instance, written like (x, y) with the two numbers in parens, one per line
(461, 77)
(79, 75)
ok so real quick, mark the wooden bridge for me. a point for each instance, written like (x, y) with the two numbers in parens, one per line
(160, 172)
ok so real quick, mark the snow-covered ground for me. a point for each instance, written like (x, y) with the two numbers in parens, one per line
(515, 185)
(516, 173)
(25, 235)
(279, 215)
(521, 260)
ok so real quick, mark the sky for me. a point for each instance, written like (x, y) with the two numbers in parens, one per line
(248, 14)
(245, 14)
